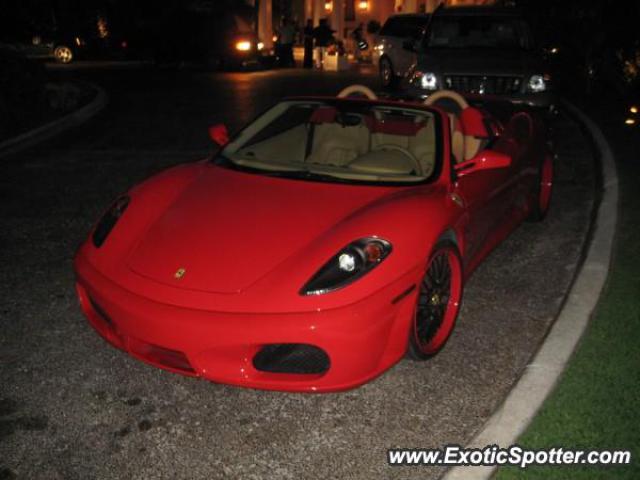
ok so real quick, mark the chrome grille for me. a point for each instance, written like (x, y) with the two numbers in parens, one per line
(483, 84)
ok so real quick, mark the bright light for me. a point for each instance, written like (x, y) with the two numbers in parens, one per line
(629, 121)
(363, 5)
(633, 109)
(428, 81)
(328, 6)
(103, 28)
(537, 83)
(347, 262)
(243, 45)
(260, 45)
(274, 38)
(555, 50)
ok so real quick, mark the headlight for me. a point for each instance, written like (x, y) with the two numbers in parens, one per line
(243, 45)
(109, 220)
(260, 45)
(538, 83)
(349, 264)
(425, 80)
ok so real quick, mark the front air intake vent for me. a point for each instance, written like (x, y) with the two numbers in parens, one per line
(291, 358)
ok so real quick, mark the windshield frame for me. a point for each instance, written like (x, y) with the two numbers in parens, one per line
(217, 158)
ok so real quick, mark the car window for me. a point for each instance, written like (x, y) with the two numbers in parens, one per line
(404, 27)
(481, 31)
(389, 27)
(345, 140)
(413, 26)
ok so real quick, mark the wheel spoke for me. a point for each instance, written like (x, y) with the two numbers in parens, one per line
(434, 298)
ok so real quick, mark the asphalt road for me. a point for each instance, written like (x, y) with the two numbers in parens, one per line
(72, 407)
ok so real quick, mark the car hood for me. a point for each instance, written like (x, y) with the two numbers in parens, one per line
(479, 61)
(228, 228)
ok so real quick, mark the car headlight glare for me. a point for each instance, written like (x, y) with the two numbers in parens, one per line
(429, 81)
(260, 45)
(537, 83)
(349, 264)
(243, 45)
(425, 80)
(109, 220)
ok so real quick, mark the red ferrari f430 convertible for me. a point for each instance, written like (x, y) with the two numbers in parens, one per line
(324, 242)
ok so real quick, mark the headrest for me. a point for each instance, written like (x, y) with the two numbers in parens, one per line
(472, 123)
(323, 115)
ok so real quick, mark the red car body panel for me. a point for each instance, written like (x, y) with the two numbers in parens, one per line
(247, 243)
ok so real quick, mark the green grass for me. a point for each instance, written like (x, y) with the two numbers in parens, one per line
(596, 404)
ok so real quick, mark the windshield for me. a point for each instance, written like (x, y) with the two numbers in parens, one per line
(482, 31)
(344, 140)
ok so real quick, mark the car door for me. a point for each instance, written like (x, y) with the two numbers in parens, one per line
(518, 142)
(486, 196)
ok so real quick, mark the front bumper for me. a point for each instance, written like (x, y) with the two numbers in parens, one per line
(539, 100)
(362, 340)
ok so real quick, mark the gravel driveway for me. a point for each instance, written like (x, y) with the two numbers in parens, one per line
(72, 407)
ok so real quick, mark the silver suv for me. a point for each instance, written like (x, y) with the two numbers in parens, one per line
(390, 51)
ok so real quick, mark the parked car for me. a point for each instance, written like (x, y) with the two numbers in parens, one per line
(213, 37)
(232, 43)
(320, 245)
(480, 50)
(68, 47)
(390, 56)
(72, 43)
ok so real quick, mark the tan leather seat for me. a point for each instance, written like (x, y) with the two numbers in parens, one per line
(423, 147)
(336, 145)
(472, 146)
(457, 139)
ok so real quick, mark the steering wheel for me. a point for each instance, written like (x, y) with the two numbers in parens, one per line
(405, 152)
(448, 95)
(361, 89)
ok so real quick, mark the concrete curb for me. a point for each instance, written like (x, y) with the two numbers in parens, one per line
(517, 411)
(48, 130)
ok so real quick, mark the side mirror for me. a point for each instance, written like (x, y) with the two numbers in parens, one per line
(219, 134)
(485, 160)
(409, 45)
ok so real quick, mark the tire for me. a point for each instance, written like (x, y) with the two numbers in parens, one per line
(544, 189)
(387, 73)
(63, 54)
(438, 302)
